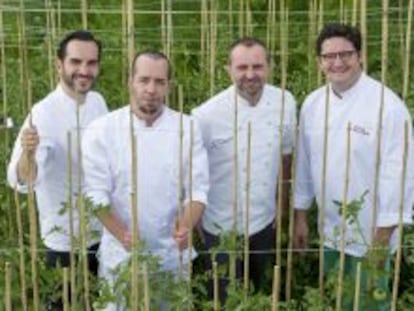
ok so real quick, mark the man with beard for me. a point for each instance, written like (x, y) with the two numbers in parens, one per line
(272, 134)
(41, 149)
(163, 224)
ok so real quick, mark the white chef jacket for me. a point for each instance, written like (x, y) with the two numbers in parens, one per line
(55, 117)
(358, 106)
(216, 117)
(107, 165)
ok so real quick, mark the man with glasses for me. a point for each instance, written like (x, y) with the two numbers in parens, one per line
(353, 113)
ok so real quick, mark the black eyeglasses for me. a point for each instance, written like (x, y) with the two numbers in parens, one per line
(343, 56)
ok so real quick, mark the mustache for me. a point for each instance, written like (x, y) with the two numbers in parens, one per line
(77, 75)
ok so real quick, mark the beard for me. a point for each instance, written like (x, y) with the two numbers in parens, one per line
(72, 82)
(149, 110)
(252, 87)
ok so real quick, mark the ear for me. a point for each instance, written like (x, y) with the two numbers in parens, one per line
(130, 82)
(59, 65)
(227, 68)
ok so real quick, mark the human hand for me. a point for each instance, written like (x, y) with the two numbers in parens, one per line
(126, 239)
(301, 236)
(30, 139)
(181, 237)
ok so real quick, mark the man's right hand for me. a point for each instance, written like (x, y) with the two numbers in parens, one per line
(26, 166)
(301, 232)
(30, 140)
(126, 239)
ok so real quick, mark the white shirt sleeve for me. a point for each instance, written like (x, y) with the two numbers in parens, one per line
(304, 192)
(391, 168)
(42, 152)
(97, 177)
(289, 130)
(200, 176)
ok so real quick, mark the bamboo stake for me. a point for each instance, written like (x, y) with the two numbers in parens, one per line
(22, 268)
(344, 221)
(321, 218)
(190, 211)
(384, 62)
(231, 22)
(33, 219)
(124, 40)
(247, 212)
(401, 34)
(170, 37)
(65, 289)
(311, 40)
(203, 34)
(4, 109)
(233, 254)
(320, 23)
(407, 49)
(59, 19)
(72, 257)
(180, 202)
(84, 13)
(279, 209)
(397, 265)
(241, 18)
(273, 34)
(134, 175)
(146, 287)
(271, 28)
(213, 46)
(357, 287)
(134, 213)
(163, 28)
(3, 65)
(341, 11)
(83, 221)
(216, 301)
(269, 21)
(50, 57)
(22, 54)
(289, 273)
(276, 288)
(354, 12)
(7, 289)
(130, 30)
(364, 34)
(249, 20)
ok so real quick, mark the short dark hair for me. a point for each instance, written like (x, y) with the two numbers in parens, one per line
(348, 32)
(247, 42)
(81, 35)
(154, 54)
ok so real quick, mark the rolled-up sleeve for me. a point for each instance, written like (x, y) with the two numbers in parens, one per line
(304, 192)
(199, 167)
(289, 125)
(394, 193)
(96, 167)
(42, 125)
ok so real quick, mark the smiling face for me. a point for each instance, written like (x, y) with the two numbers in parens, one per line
(149, 85)
(340, 62)
(248, 68)
(79, 68)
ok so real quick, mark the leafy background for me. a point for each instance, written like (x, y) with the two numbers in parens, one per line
(191, 72)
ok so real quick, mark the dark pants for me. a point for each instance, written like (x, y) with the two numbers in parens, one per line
(56, 259)
(261, 259)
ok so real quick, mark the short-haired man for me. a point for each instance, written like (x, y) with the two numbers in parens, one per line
(41, 150)
(108, 168)
(260, 105)
(354, 101)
